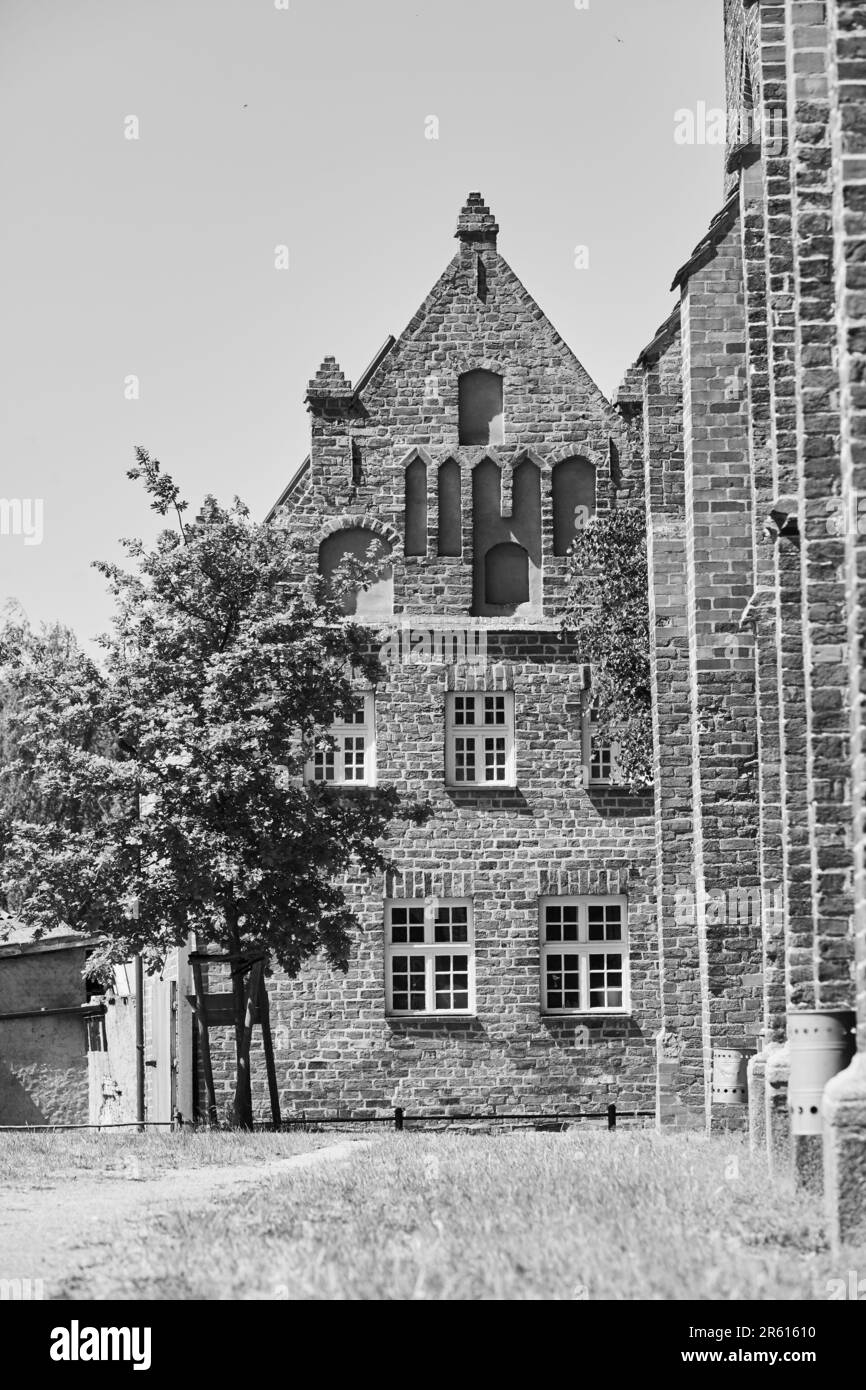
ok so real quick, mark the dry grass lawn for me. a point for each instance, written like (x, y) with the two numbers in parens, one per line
(522, 1216)
(47, 1156)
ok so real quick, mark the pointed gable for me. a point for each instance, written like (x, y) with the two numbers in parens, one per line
(485, 305)
(479, 379)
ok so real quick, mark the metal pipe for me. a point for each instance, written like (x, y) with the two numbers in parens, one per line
(139, 1039)
(83, 1010)
(114, 1124)
(612, 1113)
(340, 1120)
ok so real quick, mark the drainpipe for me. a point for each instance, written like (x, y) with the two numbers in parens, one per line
(89, 1010)
(139, 1040)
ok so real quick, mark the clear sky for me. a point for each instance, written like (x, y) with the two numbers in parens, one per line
(305, 127)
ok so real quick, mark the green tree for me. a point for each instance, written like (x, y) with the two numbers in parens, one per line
(607, 612)
(41, 674)
(161, 789)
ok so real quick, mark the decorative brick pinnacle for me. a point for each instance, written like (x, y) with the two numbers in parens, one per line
(329, 383)
(476, 222)
(629, 395)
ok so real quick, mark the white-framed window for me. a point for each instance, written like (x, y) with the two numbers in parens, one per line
(600, 759)
(584, 955)
(479, 739)
(429, 956)
(351, 760)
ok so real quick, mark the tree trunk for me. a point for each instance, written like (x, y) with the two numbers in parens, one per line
(242, 1106)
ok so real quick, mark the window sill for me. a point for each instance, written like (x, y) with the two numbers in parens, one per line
(481, 786)
(342, 786)
(627, 788)
(434, 1017)
(587, 1013)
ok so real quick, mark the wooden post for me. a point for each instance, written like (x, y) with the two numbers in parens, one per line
(611, 1117)
(252, 999)
(204, 1040)
(398, 1118)
(268, 1045)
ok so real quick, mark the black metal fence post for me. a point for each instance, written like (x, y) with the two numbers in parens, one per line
(398, 1118)
(611, 1117)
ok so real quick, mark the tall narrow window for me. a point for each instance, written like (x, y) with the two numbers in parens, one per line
(573, 501)
(481, 280)
(746, 132)
(584, 955)
(479, 739)
(450, 540)
(416, 508)
(430, 950)
(615, 466)
(479, 408)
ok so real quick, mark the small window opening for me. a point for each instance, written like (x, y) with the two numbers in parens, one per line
(506, 575)
(480, 409)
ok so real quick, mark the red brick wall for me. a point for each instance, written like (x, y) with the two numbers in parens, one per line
(847, 31)
(43, 1061)
(681, 1046)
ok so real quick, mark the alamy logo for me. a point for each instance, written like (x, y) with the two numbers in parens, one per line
(735, 906)
(411, 645)
(76, 1343)
(854, 1288)
(22, 516)
(21, 1290)
(741, 125)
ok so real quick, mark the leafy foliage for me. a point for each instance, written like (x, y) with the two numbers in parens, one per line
(608, 613)
(224, 669)
(46, 685)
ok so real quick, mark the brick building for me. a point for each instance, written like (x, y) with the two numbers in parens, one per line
(549, 941)
(67, 1043)
(75, 1049)
(509, 963)
(750, 398)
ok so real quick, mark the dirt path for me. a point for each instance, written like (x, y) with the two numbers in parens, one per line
(67, 1235)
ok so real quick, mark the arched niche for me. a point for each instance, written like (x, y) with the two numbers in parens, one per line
(573, 500)
(487, 524)
(450, 537)
(377, 600)
(480, 408)
(416, 508)
(506, 576)
(526, 508)
(507, 550)
(487, 499)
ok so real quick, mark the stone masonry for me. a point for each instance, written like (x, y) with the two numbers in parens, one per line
(44, 1060)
